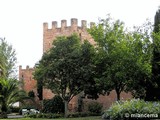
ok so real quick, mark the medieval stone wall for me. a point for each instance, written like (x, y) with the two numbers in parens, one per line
(29, 84)
(25, 75)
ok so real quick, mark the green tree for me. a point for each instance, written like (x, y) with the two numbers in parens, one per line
(141, 49)
(154, 86)
(9, 86)
(157, 21)
(10, 94)
(66, 68)
(8, 59)
(113, 55)
(121, 57)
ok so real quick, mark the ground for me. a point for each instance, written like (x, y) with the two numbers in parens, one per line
(82, 118)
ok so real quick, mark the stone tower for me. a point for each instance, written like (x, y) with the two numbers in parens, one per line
(50, 34)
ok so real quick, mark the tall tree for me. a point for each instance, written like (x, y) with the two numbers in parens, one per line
(120, 60)
(113, 62)
(157, 21)
(8, 59)
(67, 67)
(9, 86)
(154, 86)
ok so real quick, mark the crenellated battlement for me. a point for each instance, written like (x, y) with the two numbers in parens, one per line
(26, 68)
(64, 30)
(74, 24)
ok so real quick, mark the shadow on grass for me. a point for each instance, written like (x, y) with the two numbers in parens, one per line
(80, 118)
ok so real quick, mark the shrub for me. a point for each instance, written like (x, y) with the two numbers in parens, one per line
(54, 105)
(124, 109)
(84, 114)
(74, 115)
(81, 114)
(31, 116)
(41, 115)
(95, 107)
(78, 114)
(3, 115)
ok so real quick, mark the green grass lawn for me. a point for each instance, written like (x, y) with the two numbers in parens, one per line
(82, 118)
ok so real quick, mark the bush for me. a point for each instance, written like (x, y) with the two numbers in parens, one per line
(136, 107)
(73, 115)
(31, 116)
(95, 107)
(41, 115)
(78, 114)
(81, 114)
(54, 105)
(3, 115)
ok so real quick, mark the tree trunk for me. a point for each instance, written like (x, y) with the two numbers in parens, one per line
(118, 94)
(4, 110)
(4, 107)
(66, 108)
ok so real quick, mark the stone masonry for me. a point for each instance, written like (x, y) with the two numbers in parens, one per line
(48, 36)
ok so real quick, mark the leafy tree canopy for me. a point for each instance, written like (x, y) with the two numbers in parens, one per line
(154, 86)
(123, 62)
(8, 59)
(67, 68)
(10, 93)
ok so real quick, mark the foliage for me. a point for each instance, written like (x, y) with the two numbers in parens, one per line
(141, 46)
(54, 105)
(135, 106)
(157, 21)
(78, 114)
(81, 114)
(79, 118)
(46, 115)
(67, 68)
(10, 93)
(154, 86)
(9, 88)
(8, 59)
(95, 107)
(124, 58)
(3, 115)
(70, 115)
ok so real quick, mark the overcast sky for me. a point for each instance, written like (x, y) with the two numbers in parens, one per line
(21, 21)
